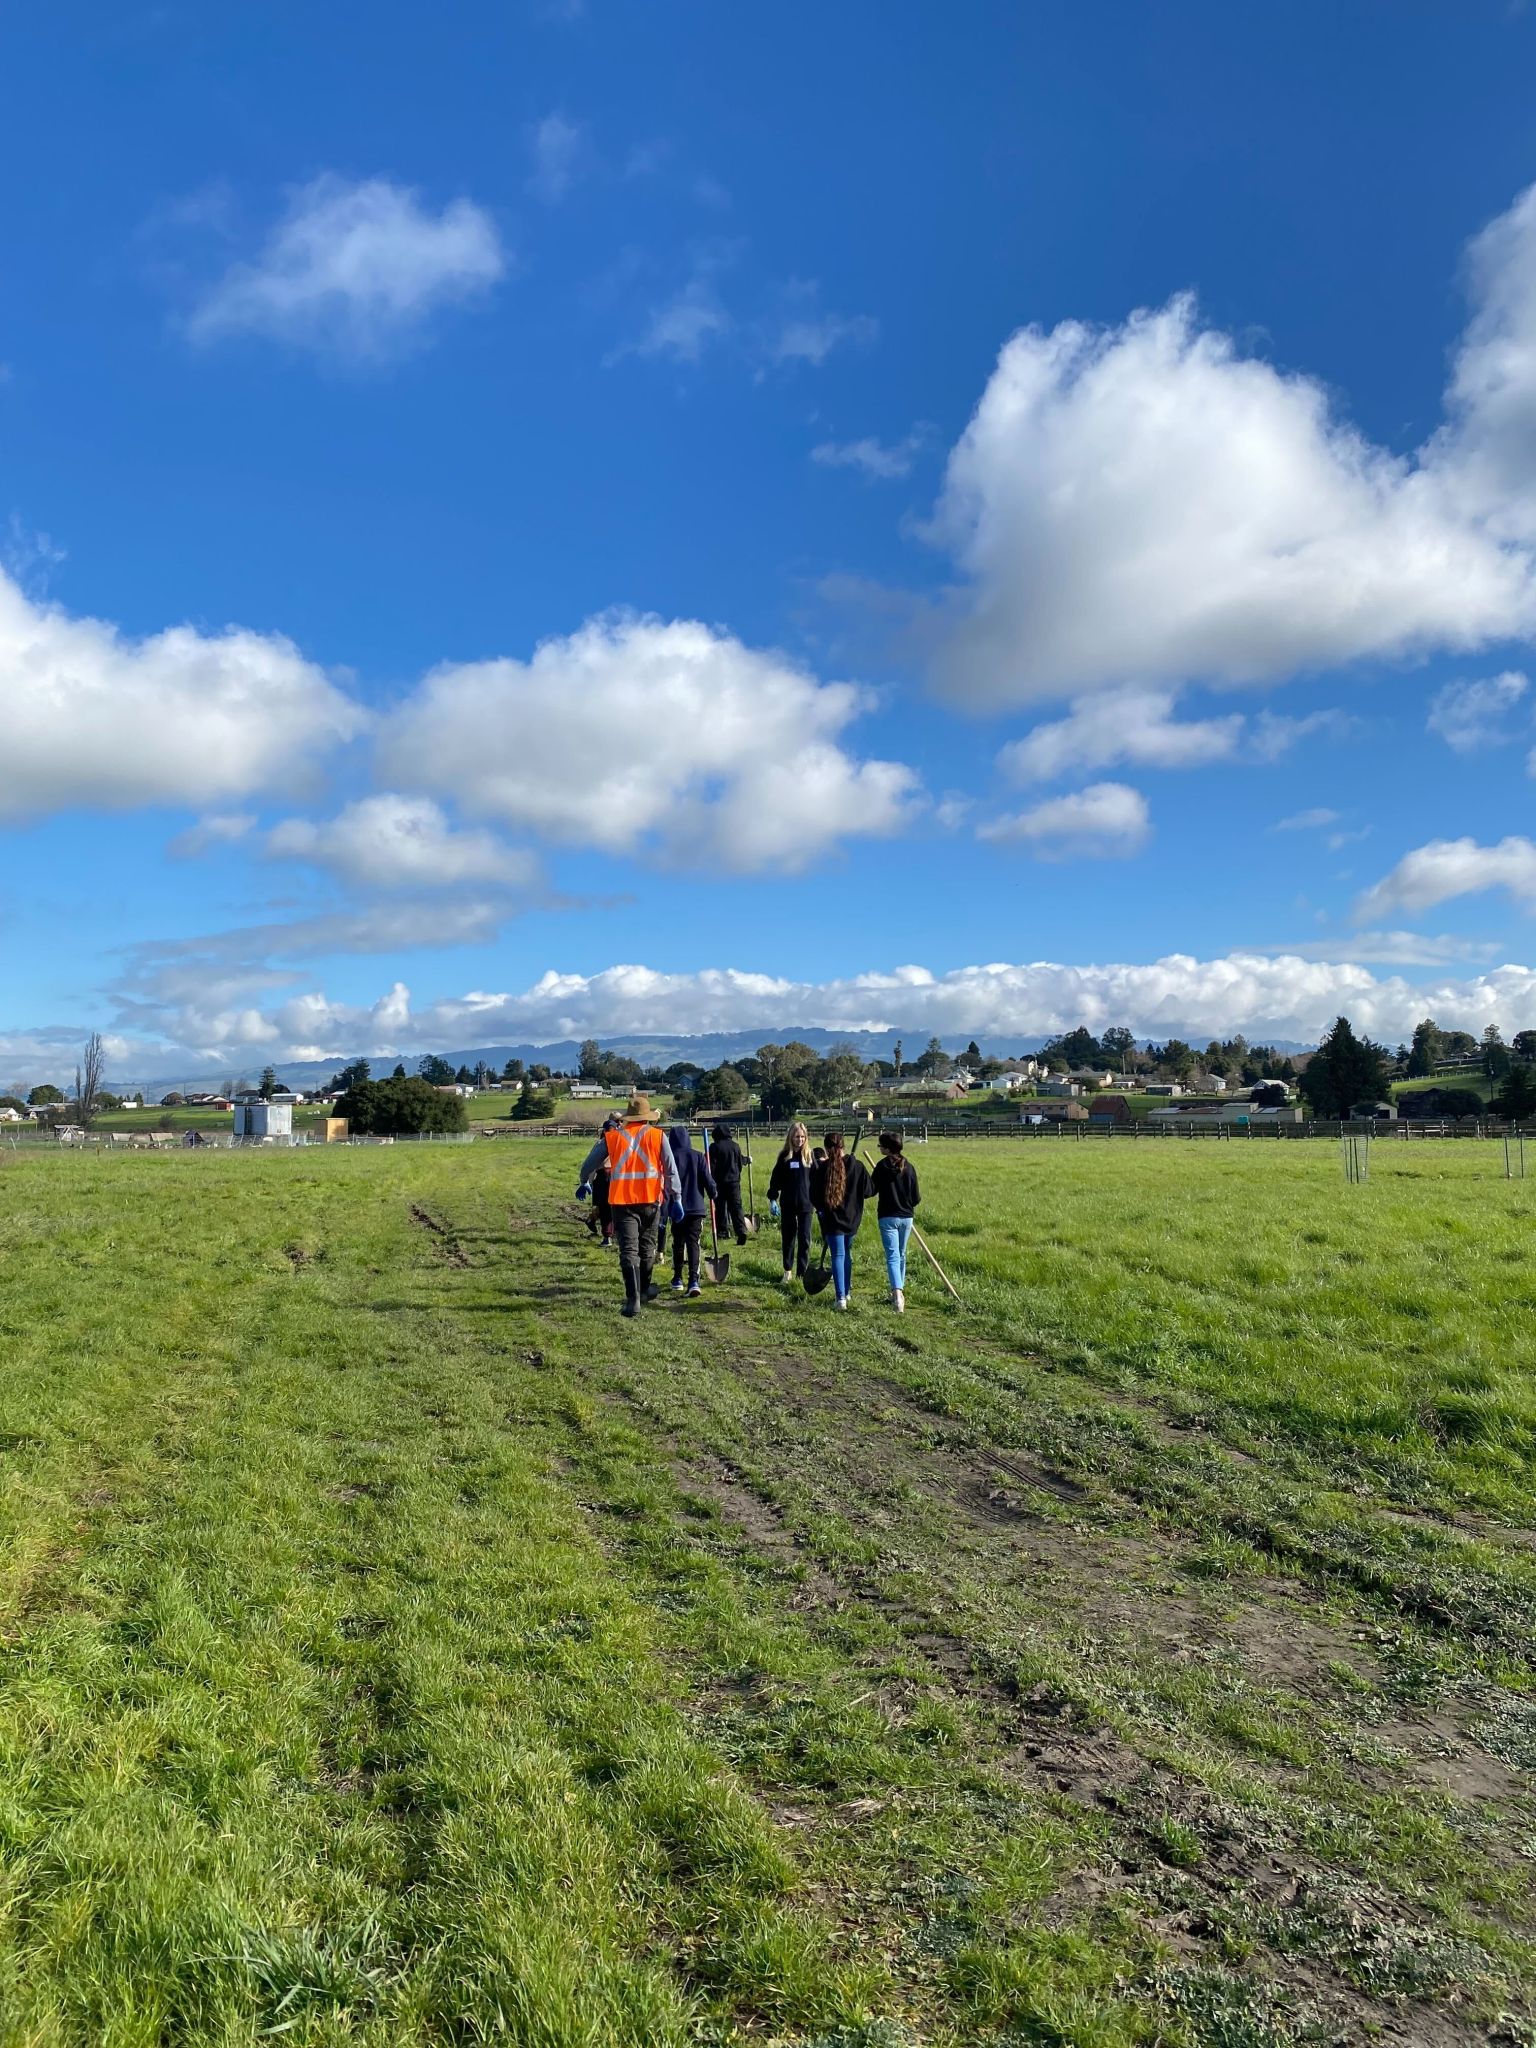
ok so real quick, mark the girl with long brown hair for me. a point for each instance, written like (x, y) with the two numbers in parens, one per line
(840, 1187)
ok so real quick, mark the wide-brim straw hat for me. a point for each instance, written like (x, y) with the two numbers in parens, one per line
(638, 1110)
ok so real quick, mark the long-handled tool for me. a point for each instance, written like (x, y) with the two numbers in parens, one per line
(751, 1216)
(934, 1262)
(816, 1278)
(717, 1266)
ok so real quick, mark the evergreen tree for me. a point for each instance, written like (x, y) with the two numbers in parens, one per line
(1517, 1098)
(1496, 1061)
(1427, 1047)
(1345, 1070)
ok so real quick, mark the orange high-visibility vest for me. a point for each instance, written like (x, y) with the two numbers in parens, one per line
(635, 1173)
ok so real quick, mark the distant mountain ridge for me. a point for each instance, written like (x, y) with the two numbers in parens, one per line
(706, 1049)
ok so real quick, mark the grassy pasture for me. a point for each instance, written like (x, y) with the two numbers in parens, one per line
(398, 1648)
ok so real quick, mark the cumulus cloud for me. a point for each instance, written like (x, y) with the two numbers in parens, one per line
(1471, 715)
(884, 461)
(638, 735)
(183, 717)
(1266, 995)
(356, 270)
(1144, 503)
(1106, 821)
(557, 147)
(1447, 868)
(1123, 725)
(389, 841)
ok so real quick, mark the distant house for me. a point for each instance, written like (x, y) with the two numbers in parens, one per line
(1109, 1109)
(1374, 1112)
(1053, 1112)
(1208, 1084)
(1163, 1088)
(1057, 1084)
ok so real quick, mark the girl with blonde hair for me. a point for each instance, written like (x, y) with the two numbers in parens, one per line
(789, 1199)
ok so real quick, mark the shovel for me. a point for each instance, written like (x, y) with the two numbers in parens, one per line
(751, 1218)
(819, 1276)
(719, 1264)
(934, 1262)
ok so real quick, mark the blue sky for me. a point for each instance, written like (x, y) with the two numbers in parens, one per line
(801, 509)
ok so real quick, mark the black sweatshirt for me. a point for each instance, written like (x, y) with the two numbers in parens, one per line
(895, 1182)
(844, 1220)
(790, 1186)
(725, 1162)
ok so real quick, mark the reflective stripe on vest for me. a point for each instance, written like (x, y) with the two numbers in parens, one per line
(634, 1167)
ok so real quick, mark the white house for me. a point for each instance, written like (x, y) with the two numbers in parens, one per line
(1058, 1085)
(588, 1091)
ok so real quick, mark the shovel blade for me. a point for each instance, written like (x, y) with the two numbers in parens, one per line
(717, 1269)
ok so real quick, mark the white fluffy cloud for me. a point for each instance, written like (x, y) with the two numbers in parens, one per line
(1447, 868)
(1121, 725)
(646, 735)
(1266, 995)
(355, 269)
(1106, 821)
(184, 717)
(1471, 715)
(1143, 503)
(391, 841)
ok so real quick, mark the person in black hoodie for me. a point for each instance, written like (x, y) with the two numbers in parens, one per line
(789, 1199)
(840, 1187)
(894, 1181)
(698, 1192)
(725, 1163)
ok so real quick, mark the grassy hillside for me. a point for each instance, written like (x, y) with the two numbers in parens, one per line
(401, 1649)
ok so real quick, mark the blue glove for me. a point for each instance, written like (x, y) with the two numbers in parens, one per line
(773, 1211)
(583, 1192)
(675, 1211)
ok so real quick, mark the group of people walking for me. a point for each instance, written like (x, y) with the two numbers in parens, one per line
(641, 1181)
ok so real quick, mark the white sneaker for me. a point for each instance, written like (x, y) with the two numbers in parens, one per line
(788, 1276)
(899, 1302)
(677, 1286)
(841, 1301)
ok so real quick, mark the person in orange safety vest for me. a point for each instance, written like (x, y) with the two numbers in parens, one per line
(642, 1176)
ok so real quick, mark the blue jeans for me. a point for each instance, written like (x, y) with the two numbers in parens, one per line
(894, 1232)
(841, 1247)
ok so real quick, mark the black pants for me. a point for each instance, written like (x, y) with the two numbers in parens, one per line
(795, 1235)
(685, 1239)
(600, 1222)
(635, 1227)
(728, 1216)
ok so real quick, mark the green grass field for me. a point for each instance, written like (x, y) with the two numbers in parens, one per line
(396, 1647)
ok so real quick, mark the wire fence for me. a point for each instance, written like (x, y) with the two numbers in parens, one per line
(1087, 1130)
